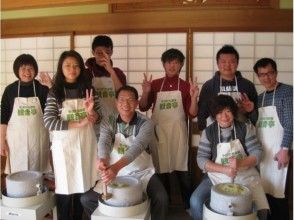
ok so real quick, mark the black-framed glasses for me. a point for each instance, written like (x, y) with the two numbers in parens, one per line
(268, 74)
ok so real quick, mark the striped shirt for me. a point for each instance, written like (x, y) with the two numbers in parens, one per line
(205, 152)
(142, 128)
(52, 112)
(284, 106)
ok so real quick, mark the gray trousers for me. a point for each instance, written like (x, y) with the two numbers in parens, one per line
(155, 191)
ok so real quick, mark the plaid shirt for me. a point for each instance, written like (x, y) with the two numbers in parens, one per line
(284, 105)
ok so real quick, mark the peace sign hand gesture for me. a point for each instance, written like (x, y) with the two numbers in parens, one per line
(92, 116)
(89, 101)
(194, 90)
(146, 85)
(247, 105)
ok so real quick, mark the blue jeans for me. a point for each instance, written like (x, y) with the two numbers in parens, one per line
(199, 196)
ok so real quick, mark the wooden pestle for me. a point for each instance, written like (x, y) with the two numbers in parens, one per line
(105, 194)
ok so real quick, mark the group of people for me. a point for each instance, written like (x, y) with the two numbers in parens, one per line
(96, 132)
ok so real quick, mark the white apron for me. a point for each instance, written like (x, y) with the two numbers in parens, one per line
(27, 137)
(248, 177)
(106, 92)
(235, 94)
(74, 152)
(142, 167)
(270, 133)
(171, 129)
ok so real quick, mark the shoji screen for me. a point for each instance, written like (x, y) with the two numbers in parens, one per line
(46, 51)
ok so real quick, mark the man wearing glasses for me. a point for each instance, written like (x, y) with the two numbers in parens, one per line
(275, 132)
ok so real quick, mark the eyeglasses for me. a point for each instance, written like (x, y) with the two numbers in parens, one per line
(268, 74)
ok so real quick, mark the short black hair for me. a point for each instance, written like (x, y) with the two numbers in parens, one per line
(24, 59)
(102, 41)
(220, 102)
(172, 54)
(227, 49)
(127, 88)
(263, 62)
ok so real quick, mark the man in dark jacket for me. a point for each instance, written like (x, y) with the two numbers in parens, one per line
(227, 80)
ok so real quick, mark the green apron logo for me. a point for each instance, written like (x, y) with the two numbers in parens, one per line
(26, 111)
(266, 122)
(76, 115)
(225, 159)
(168, 104)
(105, 93)
(122, 148)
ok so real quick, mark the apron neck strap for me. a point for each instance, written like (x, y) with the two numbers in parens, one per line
(18, 88)
(164, 82)
(119, 129)
(274, 94)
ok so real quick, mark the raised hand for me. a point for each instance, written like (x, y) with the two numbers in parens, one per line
(45, 79)
(146, 85)
(89, 102)
(106, 61)
(246, 104)
(194, 90)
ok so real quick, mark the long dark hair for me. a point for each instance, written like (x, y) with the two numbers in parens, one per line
(83, 83)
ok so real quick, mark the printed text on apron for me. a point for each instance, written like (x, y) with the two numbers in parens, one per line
(248, 177)
(270, 133)
(27, 137)
(141, 168)
(171, 129)
(74, 152)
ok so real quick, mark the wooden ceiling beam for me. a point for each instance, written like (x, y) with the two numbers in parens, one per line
(21, 4)
(197, 20)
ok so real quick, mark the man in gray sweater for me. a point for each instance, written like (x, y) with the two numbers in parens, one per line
(124, 149)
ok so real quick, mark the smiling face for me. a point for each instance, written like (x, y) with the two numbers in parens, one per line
(227, 65)
(267, 77)
(71, 69)
(225, 118)
(172, 68)
(126, 104)
(26, 73)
